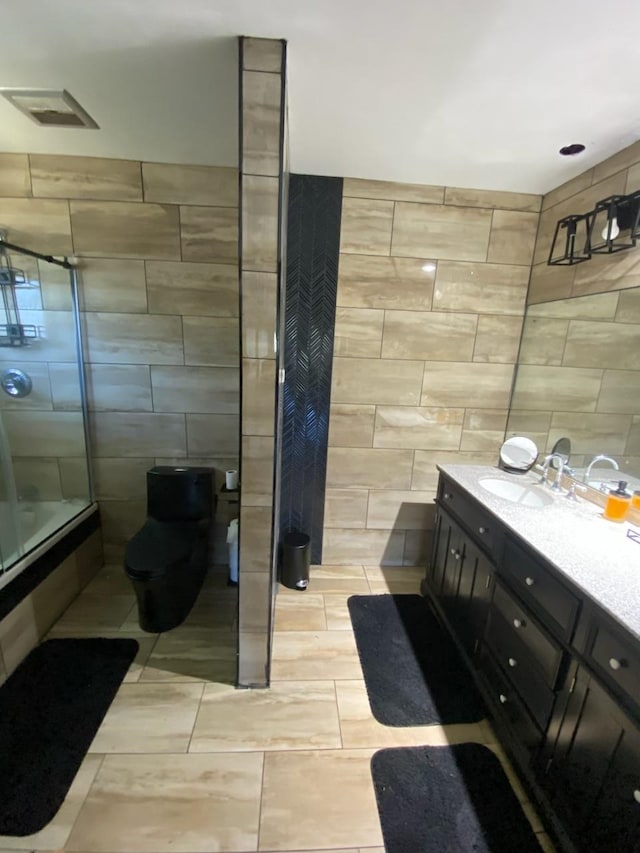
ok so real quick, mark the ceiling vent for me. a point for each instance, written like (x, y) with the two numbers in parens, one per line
(50, 107)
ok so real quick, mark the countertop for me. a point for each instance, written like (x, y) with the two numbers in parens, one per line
(594, 554)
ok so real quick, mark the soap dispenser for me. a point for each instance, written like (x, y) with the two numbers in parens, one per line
(618, 503)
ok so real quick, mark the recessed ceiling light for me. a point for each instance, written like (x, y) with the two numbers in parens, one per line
(50, 107)
(570, 150)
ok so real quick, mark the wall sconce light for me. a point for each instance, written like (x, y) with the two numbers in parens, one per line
(613, 225)
(570, 241)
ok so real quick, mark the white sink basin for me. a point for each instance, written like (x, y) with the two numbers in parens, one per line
(524, 494)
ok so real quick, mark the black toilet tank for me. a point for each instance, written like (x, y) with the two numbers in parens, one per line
(179, 494)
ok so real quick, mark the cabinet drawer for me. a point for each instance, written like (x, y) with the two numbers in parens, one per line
(542, 648)
(504, 697)
(484, 527)
(618, 660)
(539, 587)
(512, 657)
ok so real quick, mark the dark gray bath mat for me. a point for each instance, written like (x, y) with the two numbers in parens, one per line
(414, 673)
(50, 710)
(441, 799)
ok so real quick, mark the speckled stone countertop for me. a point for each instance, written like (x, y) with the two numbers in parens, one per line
(593, 553)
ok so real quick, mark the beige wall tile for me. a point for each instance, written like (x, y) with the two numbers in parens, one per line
(513, 237)
(620, 391)
(65, 386)
(435, 336)
(112, 285)
(133, 339)
(255, 539)
(411, 427)
(391, 510)
(37, 222)
(425, 473)
(119, 387)
(628, 310)
(56, 341)
(18, 634)
(259, 223)
(257, 468)
(213, 435)
(441, 231)
(209, 234)
(478, 384)
(54, 594)
(15, 180)
(388, 381)
(601, 306)
(261, 110)
(366, 226)
(117, 479)
(55, 287)
(608, 272)
(262, 54)
(533, 425)
(259, 314)
(555, 282)
(376, 282)
(202, 390)
(40, 396)
(74, 477)
(492, 198)
(633, 440)
(211, 341)
(556, 388)
(363, 468)
(633, 178)
(209, 290)
(60, 432)
(568, 189)
(378, 547)
(497, 339)
(120, 521)
(126, 230)
(614, 345)
(351, 426)
(483, 429)
(346, 508)
(181, 184)
(89, 558)
(543, 340)
(481, 288)
(622, 160)
(590, 433)
(417, 546)
(358, 332)
(54, 176)
(37, 476)
(253, 653)
(359, 188)
(253, 601)
(258, 396)
(138, 435)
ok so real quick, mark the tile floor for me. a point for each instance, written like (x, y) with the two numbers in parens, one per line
(184, 763)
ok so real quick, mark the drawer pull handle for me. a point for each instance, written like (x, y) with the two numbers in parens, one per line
(513, 662)
(518, 623)
(503, 701)
(453, 550)
(636, 795)
(483, 530)
(616, 664)
(447, 496)
(529, 581)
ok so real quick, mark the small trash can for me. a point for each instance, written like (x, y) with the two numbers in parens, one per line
(232, 542)
(296, 557)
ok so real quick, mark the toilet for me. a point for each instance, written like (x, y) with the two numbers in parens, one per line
(167, 558)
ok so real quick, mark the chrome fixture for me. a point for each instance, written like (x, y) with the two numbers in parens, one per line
(556, 487)
(570, 247)
(600, 458)
(16, 383)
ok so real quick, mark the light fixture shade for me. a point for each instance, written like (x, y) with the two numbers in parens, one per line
(612, 224)
(570, 240)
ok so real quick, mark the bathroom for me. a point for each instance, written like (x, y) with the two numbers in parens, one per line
(434, 328)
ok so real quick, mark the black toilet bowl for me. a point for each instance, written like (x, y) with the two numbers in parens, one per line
(167, 558)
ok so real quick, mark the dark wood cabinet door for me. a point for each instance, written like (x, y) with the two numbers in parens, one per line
(439, 551)
(481, 592)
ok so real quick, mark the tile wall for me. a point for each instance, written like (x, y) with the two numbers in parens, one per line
(262, 106)
(432, 287)
(158, 254)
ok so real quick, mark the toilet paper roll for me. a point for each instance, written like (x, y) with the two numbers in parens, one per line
(231, 478)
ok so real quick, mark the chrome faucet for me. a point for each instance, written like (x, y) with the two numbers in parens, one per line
(600, 458)
(556, 487)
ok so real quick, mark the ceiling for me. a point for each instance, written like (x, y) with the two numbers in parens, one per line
(464, 93)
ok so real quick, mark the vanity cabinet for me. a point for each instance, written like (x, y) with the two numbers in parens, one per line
(560, 676)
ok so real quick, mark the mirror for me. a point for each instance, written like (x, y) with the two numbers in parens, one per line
(518, 454)
(578, 378)
(561, 448)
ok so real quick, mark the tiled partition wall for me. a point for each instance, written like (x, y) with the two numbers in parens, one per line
(579, 364)
(431, 292)
(261, 115)
(158, 249)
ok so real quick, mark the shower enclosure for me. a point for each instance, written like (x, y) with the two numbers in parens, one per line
(45, 480)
